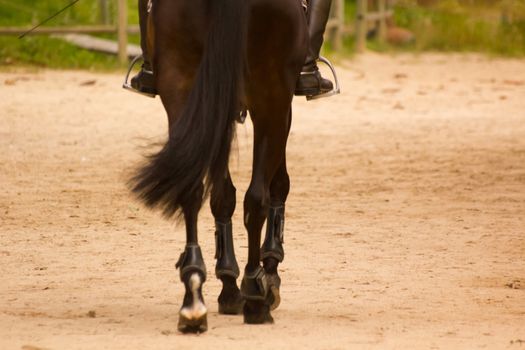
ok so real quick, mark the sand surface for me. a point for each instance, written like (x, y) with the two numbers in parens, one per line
(405, 226)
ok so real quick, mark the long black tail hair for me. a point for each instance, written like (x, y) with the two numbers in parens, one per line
(197, 151)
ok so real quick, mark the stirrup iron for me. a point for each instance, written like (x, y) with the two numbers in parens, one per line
(127, 85)
(336, 90)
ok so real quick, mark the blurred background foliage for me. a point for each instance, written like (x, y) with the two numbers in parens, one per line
(48, 51)
(495, 27)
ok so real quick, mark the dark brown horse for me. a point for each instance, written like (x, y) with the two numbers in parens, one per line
(214, 59)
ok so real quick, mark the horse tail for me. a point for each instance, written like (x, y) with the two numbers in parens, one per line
(198, 148)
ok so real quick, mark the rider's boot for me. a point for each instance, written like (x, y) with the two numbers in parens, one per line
(310, 82)
(144, 81)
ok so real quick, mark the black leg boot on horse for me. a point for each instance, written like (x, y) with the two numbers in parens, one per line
(144, 81)
(310, 82)
(222, 205)
(272, 252)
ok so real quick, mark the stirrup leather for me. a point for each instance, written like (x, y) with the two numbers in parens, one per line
(127, 84)
(335, 91)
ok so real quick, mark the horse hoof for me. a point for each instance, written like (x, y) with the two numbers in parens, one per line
(199, 325)
(230, 300)
(275, 297)
(193, 316)
(232, 305)
(231, 308)
(257, 313)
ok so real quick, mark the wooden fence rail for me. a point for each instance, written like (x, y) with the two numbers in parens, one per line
(88, 29)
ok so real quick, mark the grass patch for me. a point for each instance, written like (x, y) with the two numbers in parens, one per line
(52, 53)
(30, 12)
(46, 51)
(496, 27)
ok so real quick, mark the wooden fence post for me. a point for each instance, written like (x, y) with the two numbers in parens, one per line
(382, 21)
(122, 32)
(104, 11)
(339, 11)
(361, 25)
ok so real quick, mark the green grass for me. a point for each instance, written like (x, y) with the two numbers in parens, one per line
(51, 53)
(45, 51)
(28, 12)
(493, 27)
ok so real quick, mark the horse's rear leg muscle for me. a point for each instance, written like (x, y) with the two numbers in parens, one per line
(227, 270)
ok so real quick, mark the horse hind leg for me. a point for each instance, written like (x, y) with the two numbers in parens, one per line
(193, 313)
(271, 127)
(272, 252)
(227, 270)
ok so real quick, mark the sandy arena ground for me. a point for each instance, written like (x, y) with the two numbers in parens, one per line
(405, 227)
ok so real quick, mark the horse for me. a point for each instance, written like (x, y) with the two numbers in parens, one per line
(214, 60)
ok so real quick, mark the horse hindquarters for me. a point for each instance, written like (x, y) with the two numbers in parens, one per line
(202, 105)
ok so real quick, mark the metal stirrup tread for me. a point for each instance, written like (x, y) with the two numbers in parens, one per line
(127, 84)
(191, 261)
(337, 88)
